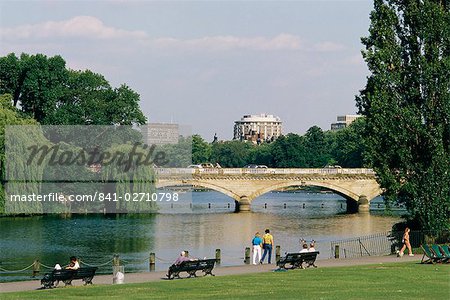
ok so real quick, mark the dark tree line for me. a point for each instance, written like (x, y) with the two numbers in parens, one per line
(315, 149)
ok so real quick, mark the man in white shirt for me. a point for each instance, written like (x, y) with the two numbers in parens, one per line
(305, 248)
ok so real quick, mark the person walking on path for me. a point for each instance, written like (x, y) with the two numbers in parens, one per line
(267, 246)
(257, 243)
(406, 243)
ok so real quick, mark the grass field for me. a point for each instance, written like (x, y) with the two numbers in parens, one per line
(387, 281)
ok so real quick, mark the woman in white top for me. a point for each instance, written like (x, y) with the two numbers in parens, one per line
(73, 265)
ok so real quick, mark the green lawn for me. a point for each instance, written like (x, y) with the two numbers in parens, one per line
(387, 281)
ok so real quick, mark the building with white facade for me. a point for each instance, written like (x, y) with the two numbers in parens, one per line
(257, 128)
(344, 121)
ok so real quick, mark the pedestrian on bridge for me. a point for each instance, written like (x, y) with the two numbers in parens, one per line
(257, 243)
(268, 246)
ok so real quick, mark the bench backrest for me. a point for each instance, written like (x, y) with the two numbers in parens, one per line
(85, 272)
(303, 255)
(73, 274)
(197, 264)
(309, 255)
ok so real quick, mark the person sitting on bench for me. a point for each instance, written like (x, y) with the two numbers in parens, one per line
(181, 258)
(311, 247)
(305, 248)
(73, 265)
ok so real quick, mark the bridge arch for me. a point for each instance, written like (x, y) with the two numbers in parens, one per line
(207, 185)
(347, 194)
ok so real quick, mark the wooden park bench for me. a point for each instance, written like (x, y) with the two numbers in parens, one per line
(191, 267)
(67, 275)
(296, 260)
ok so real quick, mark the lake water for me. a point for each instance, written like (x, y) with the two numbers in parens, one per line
(95, 238)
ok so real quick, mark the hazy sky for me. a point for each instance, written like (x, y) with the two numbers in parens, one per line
(207, 63)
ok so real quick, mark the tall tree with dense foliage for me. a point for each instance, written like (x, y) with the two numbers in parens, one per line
(289, 152)
(36, 82)
(407, 105)
(317, 151)
(349, 145)
(231, 154)
(43, 88)
(201, 150)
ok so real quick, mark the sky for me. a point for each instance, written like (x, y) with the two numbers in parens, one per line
(205, 64)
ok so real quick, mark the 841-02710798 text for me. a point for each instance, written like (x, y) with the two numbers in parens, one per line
(138, 197)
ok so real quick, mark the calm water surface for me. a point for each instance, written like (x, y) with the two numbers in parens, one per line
(95, 238)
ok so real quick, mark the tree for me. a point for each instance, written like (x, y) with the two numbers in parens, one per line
(18, 169)
(46, 90)
(36, 82)
(201, 150)
(122, 107)
(349, 145)
(83, 101)
(406, 102)
(316, 150)
(262, 154)
(231, 154)
(289, 151)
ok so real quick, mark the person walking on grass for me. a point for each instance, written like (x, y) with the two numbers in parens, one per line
(406, 244)
(267, 246)
(257, 243)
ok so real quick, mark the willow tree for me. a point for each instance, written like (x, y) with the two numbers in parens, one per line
(130, 180)
(17, 177)
(407, 105)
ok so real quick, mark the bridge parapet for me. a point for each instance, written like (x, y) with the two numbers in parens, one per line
(262, 171)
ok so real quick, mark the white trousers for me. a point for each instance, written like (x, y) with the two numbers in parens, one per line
(256, 253)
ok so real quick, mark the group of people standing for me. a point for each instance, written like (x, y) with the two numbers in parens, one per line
(266, 243)
(262, 243)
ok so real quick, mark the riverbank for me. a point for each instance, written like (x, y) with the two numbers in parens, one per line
(219, 271)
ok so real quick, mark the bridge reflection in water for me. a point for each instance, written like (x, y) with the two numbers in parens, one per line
(357, 186)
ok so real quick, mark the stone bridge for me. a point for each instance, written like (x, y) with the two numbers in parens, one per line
(357, 186)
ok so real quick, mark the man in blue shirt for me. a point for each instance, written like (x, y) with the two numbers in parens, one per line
(257, 243)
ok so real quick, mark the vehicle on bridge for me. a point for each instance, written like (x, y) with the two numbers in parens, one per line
(207, 165)
(195, 167)
(204, 166)
(332, 167)
(255, 167)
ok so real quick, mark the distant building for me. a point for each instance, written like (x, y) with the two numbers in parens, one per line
(344, 121)
(257, 128)
(160, 133)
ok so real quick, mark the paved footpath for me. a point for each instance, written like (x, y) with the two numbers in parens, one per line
(219, 271)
